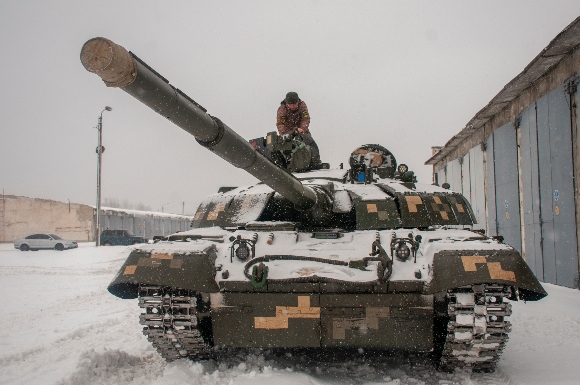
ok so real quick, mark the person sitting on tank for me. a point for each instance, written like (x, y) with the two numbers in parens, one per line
(293, 115)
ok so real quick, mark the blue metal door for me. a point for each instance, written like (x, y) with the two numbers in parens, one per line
(490, 188)
(531, 191)
(558, 214)
(477, 199)
(466, 178)
(506, 185)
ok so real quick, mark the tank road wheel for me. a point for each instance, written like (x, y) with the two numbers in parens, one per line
(172, 323)
(477, 329)
(24, 247)
(59, 247)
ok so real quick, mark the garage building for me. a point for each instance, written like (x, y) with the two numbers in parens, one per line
(518, 162)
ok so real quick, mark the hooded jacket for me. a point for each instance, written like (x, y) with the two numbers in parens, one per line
(286, 119)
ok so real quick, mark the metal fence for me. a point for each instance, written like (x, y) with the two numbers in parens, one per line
(144, 224)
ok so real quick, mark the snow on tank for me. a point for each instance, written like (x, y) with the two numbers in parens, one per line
(363, 257)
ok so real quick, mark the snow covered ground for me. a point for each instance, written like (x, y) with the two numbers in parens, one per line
(61, 326)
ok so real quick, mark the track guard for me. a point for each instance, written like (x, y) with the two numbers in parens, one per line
(185, 270)
(452, 269)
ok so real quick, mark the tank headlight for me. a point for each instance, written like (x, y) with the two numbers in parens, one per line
(243, 252)
(402, 251)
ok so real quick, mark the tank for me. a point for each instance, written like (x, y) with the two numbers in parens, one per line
(361, 256)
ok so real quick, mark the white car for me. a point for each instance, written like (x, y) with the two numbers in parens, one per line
(44, 241)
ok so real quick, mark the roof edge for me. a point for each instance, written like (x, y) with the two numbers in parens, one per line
(561, 46)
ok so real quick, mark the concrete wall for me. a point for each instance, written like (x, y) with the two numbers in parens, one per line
(21, 216)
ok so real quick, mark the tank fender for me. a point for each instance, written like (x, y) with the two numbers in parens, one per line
(185, 270)
(456, 268)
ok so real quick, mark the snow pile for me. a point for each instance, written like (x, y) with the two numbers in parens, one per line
(544, 344)
(114, 367)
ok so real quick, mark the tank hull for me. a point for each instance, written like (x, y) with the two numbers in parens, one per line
(452, 300)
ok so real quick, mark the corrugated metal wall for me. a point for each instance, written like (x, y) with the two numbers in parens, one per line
(146, 226)
(139, 227)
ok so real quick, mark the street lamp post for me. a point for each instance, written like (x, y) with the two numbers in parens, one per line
(99, 167)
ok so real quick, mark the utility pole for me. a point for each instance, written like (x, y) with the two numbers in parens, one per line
(99, 167)
(182, 208)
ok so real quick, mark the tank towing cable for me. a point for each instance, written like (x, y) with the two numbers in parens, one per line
(259, 276)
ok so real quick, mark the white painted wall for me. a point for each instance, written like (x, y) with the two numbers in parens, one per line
(454, 176)
(24, 216)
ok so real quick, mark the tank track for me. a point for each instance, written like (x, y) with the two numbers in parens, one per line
(170, 322)
(477, 330)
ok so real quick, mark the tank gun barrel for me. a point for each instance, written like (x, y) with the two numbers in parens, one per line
(120, 68)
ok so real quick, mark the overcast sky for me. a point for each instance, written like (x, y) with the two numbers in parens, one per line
(406, 74)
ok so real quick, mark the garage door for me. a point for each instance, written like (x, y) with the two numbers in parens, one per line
(531, 192)
(506, 185)
(558, 216)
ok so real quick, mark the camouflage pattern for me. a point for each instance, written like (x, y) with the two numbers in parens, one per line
(468, 267)
(193, 270)
(324, 320)
(287, 120)
(377, 214)
(230, 209)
